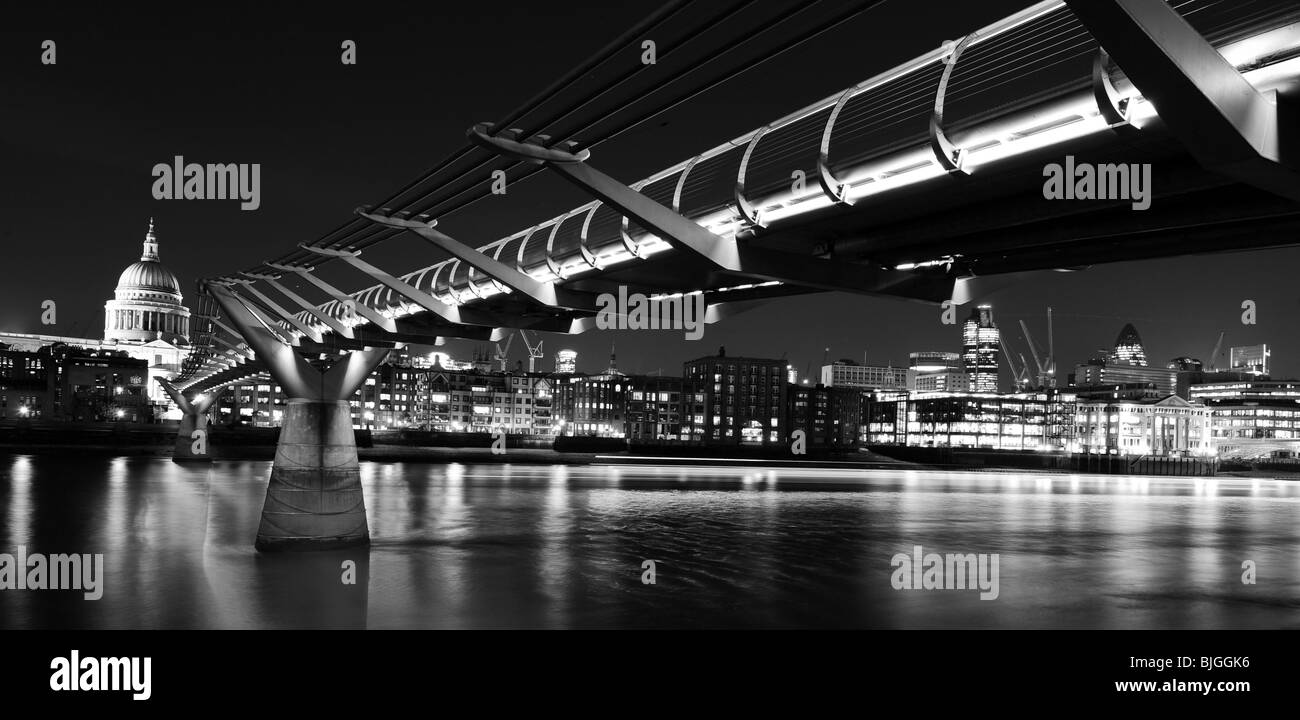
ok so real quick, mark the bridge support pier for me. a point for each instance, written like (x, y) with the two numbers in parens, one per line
(192, 436)
(314, 500)
(189, 447)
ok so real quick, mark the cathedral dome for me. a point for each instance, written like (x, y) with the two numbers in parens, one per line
(148, 275)
(147, 302)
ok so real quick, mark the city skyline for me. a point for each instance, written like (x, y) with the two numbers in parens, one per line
(750, 332)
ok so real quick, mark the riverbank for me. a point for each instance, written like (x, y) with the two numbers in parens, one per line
(241, 443)
(407, 453)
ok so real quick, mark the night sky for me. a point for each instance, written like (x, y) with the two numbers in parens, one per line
(79, 140)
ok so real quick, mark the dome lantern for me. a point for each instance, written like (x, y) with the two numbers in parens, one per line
(150, 245)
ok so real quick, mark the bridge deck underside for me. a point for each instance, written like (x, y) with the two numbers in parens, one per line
(995, 220)
(992, 219)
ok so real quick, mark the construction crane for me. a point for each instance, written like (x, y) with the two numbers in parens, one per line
(1020, 375)
(1046, 365)
(1214, 354)
(501, 353)
(1033, 350)
(534, 351)
(1051, 350)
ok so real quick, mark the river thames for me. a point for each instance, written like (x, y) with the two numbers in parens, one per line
(564, 546)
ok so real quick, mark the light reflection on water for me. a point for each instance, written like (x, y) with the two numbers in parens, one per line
(497, 545)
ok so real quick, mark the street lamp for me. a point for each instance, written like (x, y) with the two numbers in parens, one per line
(120, 413)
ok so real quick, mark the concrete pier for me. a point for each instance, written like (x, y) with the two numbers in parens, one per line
(189, 448)
(194, 416)
(314, 500)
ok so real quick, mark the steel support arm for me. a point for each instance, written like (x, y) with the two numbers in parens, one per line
(217, 321)
(724, 254)
(365, 311)
(298, 378)
(348, 372)
(1222, 120)
(243, 350)
(266, 316)
(280, 312)
(198, 405)
(676, 230)
(447, 312)
(325, 318)
(454, 315)
(544, 293)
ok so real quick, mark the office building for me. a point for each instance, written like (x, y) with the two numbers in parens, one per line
(1168, 426)
(981, 345)
(1128, 348)
(566, 362)
(1245, 390)
(829, 416)
(933, 371)
(1250, 359)
(599, 405)
(1125, 374)
(849, 374)
(654, 408)
(1037, 421)
(738, 400)
(104, 385)
(1101, 379)
(26, 387)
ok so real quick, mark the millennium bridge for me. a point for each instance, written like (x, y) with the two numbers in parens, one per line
(923, 182)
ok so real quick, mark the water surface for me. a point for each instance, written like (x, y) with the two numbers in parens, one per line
(538, 546)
